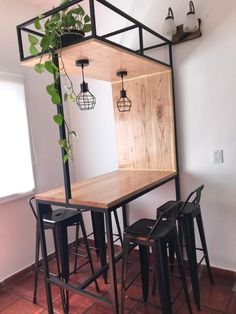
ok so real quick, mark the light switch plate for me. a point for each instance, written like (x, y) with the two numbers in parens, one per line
(218, 156)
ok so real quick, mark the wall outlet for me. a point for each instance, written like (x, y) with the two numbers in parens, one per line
(218, 156)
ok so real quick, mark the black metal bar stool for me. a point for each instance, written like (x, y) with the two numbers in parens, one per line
(190, 210)
(58, 220)
(155, 234)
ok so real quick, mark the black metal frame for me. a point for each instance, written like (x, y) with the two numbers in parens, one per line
(25, 27)
(106, 38)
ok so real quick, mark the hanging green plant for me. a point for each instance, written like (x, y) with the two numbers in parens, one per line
(68, 24)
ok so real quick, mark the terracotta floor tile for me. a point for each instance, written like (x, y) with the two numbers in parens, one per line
(6, 299)
(23, 307)
(204, 310)
(101, 309)
(231, 309)
(216, 299)
(143, 308)
(215, 296)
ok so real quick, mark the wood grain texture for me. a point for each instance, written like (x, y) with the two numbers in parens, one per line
(145, 135)
(104, 61)
(109, 189)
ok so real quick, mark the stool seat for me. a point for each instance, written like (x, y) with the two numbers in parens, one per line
(67, 216)
(143, 227)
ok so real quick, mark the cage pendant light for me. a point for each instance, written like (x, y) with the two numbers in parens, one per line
(124, 103)
(85, 99)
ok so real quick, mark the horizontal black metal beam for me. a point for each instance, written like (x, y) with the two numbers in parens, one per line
(76, 289)
(153, 47)
(122, 30)
(31, 31)
(98, 273)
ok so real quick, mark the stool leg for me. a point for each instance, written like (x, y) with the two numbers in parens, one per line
(40, 209)
(171, 256)
(144, 263)
(101, 242)
(204, 245)
(154, 284)
(95, 232)
(162, 271)
(87, 249)
(62, 247)
(118, 226)
(124, 271)
(188, 228)
(76, 247)
(182, 271)
(36, 269)
(180, 234)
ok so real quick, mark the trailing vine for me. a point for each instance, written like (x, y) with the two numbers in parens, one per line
(67, 21)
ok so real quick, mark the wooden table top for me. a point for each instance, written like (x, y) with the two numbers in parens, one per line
(110, 189)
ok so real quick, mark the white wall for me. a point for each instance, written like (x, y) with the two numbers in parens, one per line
(205, 84)
(17, 228)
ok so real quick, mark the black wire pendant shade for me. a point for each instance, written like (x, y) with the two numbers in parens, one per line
(124, 103)
(85, 99)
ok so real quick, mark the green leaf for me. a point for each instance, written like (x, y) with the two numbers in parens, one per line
(56, 99)
(63, 143)
(65, 158)
(56, 17)
(69, 20)
(37, 24)
(64, 1)
(79, 24)
(39, 67)
(50, 89)
(33, 40)
(33, 50)
(45, 42)
(87, 19)
(49, 66)
(87, 28)
(58, 119)
(79, 10)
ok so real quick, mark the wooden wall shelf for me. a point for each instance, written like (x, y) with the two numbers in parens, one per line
(105, 60)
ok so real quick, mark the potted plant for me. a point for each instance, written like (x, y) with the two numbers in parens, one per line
(59, 30)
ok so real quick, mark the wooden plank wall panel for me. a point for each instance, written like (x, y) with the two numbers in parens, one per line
(145, 135)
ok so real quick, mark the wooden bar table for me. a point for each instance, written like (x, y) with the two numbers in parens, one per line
(102, 194)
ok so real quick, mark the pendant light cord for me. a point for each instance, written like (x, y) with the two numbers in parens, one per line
(82, 66)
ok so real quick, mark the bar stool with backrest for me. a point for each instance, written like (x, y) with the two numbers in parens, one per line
(57, 221)
(191, 210)
(155, 234)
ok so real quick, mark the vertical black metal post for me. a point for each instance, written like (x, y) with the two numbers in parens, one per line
(20, 44)
(141, 40)
(62, 131)
(92, 16)
(177, 185)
